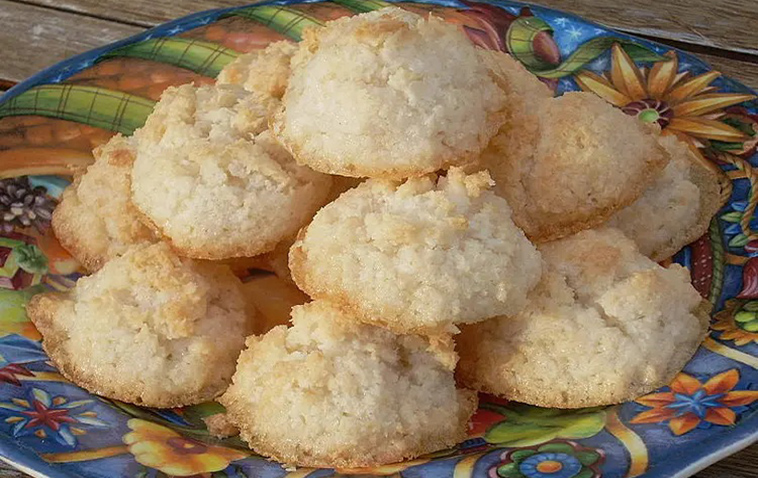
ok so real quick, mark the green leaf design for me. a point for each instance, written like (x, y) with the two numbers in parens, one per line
(734, 216)
(717, 248)
(585, 473)
(556, 448)
(520, 40)
(594, 48)
(90, 105)
(726, 146)
(521, 455)
(509, 471)
(587, 458)
(363, 6)
(739, 240)
(285, 20)
(744, 316)
(528, 426)
(202, 57)
(742, 126)
(31, 259)
(13, 303)
(751, 306)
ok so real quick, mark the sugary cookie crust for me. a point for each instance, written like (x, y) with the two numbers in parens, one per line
(417, 256)
(388, 94)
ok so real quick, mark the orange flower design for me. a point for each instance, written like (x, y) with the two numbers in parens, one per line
(681, 104)
(739, 322)
(159, 447)
(689, 402)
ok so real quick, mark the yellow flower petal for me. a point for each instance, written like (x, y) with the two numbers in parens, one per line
(593, 83)
(230, 454)
(187, 466)
(662, 76)
(691, 87)
(708, 103)
(706, 129)
(144, 427)
(160, 447)
(679, 78)
(625, 75)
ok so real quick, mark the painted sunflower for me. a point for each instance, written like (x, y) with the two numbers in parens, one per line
(164, 449)
(738, 322)
(680, 103)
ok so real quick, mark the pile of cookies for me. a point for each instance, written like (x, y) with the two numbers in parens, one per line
(456, 228)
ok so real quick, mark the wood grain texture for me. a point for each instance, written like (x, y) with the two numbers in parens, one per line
(33, 38)
(144, 13)
(723, 24)
(60, 29)
(743, 464)
(743, 71)
(7, 472)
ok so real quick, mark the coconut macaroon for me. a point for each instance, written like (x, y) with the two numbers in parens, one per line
(419, 256)
(265, 72)
(148, 328)
(388, 94)
(605, 325)
(211, 180)
(95, 219)
(332, 392)
(521, 87)
(677, 208)
(582, 161)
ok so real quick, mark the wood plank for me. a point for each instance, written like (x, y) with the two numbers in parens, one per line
(742, 71)
(35, 38)
(145, 13)
(58, 34)
(723, 24)
(743, 464)
(6, 84)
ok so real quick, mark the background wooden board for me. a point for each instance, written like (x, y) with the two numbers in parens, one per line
(38, 33)
(31, 45)
(724, 24)
(722, 31)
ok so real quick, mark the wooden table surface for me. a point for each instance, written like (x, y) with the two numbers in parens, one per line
(38, 33)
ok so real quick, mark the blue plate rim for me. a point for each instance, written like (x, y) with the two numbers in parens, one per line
(709, 451)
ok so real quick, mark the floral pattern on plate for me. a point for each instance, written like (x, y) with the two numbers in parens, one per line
(50, 123)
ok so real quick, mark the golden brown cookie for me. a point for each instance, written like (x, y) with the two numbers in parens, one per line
(581, 161)
(418, 256)
(265, 72)
(388, 94)
(211, 179)
(677, 208)
(332, 392)
(148, 328)
(95, 220)
(605, 325)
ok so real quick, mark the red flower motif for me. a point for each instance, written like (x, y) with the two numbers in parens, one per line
(749, 279)
(8, 374)
(50, 417)
(690, 402)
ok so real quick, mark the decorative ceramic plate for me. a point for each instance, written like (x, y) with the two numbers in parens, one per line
(50, 123)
